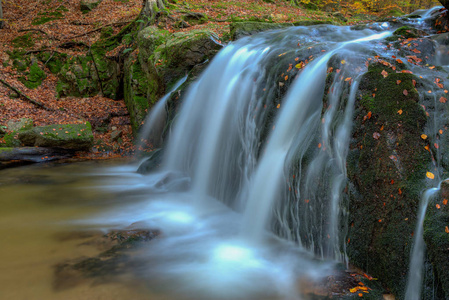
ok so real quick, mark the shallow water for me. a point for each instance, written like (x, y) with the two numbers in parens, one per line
(56, 214)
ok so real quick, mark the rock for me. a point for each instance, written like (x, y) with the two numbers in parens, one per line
(67, 136)
(13, 128)
(32, 154)
(387, 175)
(436, 236)
(115, 135)
(88, 5)
(151, 163)
(338, 15)
(241, 29)
(194, 18)
(171, 58)
(22, 124)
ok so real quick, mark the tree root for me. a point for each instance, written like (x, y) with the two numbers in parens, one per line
(21, 94)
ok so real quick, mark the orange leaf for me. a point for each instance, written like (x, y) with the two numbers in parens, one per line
(347, 79)
(436, 145)
(400, 111)
(279, 105)
(399, 61)
(430, 175)
(369, 115)
(384, 73)
(398, 82)
(423, 136)
(440, 131)
(445, 201)
(446, 229)
(414, 82)
(405, 92)
(438, 206)
(443, 100)
(286, 77)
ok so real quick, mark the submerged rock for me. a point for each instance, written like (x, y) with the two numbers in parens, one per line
(116, 260)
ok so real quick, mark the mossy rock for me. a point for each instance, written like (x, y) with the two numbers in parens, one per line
(11, 131)
(142, 88)
(182, 52)
(34, 77)
(88, 5)
(67, 136)
(312, 23)
(387, 165)
(241, 29)
(436, 236)
(53, 61)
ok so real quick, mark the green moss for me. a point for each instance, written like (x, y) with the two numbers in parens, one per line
(47, 17)
(53, 61)
(23, 41)
(387, 163)
(34, 78)
(437, 239)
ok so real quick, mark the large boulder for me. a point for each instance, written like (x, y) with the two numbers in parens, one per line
(159, 62)
(68, 136)
(387, 165)
(241, 29)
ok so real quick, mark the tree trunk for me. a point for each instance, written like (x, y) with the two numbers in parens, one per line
(1, 15)
(150, 9)
(445, 3)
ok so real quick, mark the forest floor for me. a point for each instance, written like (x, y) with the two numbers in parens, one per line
(74, 26)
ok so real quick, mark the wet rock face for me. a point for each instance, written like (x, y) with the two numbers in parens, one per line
(386, 167)
(436, 235)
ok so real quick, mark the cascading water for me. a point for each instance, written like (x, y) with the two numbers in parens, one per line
(276, 157)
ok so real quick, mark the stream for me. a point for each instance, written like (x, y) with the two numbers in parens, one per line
(247, 202)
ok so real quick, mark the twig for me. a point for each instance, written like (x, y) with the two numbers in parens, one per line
(38, 104)
(99, 28)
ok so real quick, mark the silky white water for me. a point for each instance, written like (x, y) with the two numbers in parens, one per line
(224, 170)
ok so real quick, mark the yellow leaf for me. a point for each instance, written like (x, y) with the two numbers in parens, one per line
(430, 175)
(343, 62)
(347, 79)
(423, 136)
(279, 105)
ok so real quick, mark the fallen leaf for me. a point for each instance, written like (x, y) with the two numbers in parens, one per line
(430, 175)
(446, 229)
(400, 111)
(423, 136)
(398, 82)
(438, 206)
(279, 105)
(384, 73)
(343, 62)
(443, 100)
(376, 135)
(348, 79)
(405, 92)
(445, 201)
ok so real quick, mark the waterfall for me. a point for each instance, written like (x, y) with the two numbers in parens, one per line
(217, 137)
(414, 280)
(151, 131)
